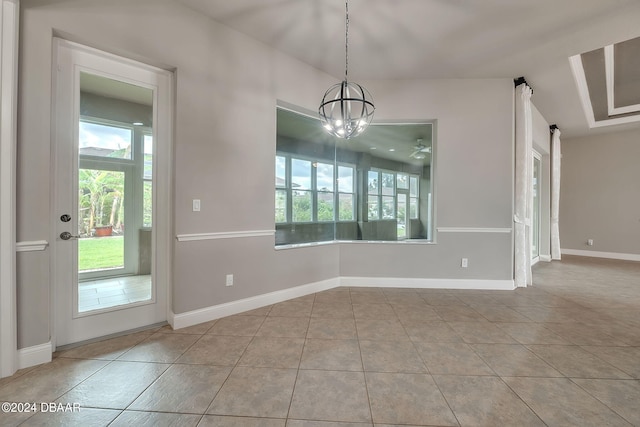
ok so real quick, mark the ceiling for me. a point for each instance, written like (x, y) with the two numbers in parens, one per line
(415, 39)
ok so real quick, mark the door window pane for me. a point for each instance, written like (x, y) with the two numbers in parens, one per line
(148, 157)
(402, 216)
(413, 186)
(403, 181)
(100, 219)
(147, 204)
(100, 140)
(413, 209)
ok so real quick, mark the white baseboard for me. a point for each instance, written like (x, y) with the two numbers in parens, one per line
(36, 355)
(190, 318)
(596, 254)
(545, 258)
(418, 283)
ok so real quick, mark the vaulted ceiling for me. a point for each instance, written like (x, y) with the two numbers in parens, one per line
(416, 39)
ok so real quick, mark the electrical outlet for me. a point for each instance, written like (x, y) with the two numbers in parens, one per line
(229, 280)
(590, 242)
(464, 263)
(196, 205)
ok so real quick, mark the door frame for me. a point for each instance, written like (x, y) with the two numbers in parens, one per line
(9, 11)
(162, 192)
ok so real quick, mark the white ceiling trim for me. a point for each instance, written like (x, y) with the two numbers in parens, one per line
(585, 99)
(583, 89)
(609, 66)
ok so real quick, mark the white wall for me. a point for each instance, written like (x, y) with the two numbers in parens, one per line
(227, 87)
(600, 194)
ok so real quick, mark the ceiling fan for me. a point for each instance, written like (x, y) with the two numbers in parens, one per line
(421, 150)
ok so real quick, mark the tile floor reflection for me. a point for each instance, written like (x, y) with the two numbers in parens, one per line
(563, 352)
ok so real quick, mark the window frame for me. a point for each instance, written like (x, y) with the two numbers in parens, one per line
(380, 197)
(314, 190)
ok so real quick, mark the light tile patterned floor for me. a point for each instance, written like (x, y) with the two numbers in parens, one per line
(112, 292)
(564, 352)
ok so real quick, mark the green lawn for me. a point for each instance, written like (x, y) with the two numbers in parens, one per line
(100, 252)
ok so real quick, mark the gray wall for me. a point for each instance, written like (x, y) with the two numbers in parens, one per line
(472, 184)
(600, 193)
(227, 87)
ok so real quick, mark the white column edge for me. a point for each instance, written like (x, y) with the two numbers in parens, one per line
(9, 22)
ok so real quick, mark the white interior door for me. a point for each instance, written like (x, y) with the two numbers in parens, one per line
(111, 189)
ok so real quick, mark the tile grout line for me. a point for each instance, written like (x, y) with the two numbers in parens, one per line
(295, 381)
(364, 373)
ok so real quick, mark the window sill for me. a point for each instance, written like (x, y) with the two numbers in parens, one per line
(358, 242)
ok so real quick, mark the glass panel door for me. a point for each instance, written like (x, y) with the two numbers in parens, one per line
(111, 162)
(535, 218)
(403, 215)
(100, 220)
(115, 190)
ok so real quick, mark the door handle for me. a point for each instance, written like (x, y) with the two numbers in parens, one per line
(65, 235)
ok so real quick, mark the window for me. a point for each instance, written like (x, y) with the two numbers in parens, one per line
(367, 188)
(106, 147)
(311, 189)
(373, 191)
(105, 140)
(414, 191)
(281, 189)
(346, 193)
(382, 194)
(301, 185)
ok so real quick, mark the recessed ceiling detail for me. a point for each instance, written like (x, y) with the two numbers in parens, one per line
(608, 81)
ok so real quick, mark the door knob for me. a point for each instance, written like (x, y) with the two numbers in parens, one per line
(65, 235)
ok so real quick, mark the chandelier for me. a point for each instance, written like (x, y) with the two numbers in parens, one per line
(346, 108)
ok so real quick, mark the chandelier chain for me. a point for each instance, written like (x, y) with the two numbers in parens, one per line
(346, 40)
(346, 108)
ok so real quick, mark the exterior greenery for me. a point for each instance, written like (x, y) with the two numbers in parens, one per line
(100, 200)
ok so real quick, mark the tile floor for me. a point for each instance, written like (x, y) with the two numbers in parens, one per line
(111, 292)
(565, 352)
